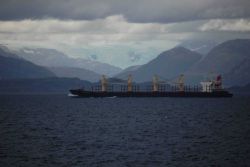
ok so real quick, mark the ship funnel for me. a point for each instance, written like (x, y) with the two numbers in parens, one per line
(218, 82)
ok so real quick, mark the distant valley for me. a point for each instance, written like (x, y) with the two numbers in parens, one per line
(231, 59)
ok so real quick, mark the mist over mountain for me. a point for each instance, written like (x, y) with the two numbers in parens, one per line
(72, 72)
(200, 46)
(4, 51)
(54, 58)
(13, 67)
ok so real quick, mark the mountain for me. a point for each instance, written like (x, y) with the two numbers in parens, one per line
(13, 67)
(125, 73)
(240, 90)
(230, 58)
(54, 58)
(168, 65)
(4, 51)
(239, 75)
(71, 72)
(41, 85)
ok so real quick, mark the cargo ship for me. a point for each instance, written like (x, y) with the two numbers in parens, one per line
(209, 88)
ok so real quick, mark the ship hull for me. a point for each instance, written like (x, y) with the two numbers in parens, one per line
(83, 93)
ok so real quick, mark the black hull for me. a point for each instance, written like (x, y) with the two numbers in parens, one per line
(82, 93)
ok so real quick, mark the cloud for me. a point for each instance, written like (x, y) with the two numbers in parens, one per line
(147, 11)
(233, 25)
(110, 29)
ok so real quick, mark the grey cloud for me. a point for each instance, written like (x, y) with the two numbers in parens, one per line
(134, 11)
(237, 25)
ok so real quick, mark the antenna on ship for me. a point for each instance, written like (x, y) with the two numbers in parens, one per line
(130, 83)
(104, 83)
(155, 83)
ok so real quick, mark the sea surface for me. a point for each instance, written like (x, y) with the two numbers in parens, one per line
(57, 130)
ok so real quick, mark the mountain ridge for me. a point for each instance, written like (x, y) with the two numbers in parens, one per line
(73, 72)
(169, 64)
(55, 58)
(230, 59)
(13, 67)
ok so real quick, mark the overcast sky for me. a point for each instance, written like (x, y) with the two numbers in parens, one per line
(120, 32)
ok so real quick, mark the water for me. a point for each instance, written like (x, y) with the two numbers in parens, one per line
(56, 130)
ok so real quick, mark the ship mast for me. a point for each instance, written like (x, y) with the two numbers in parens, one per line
(104, 83)
(130, 83)
(155, 83)
(181, 83)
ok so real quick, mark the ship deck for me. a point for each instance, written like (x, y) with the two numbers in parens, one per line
(83, 93)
